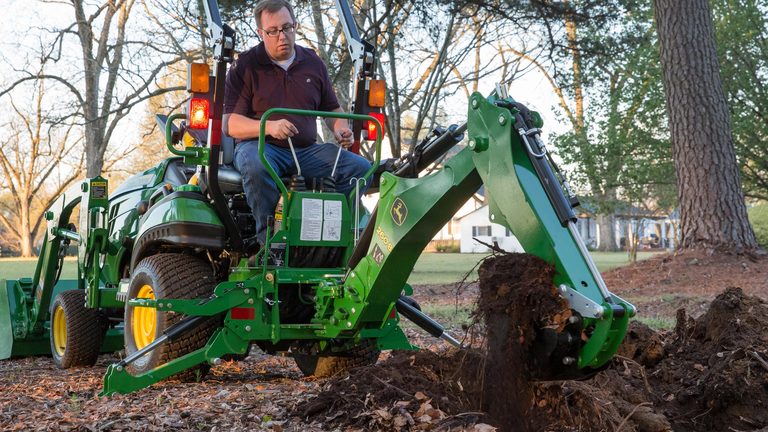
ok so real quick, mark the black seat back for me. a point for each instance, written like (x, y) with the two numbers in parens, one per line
(230, 180)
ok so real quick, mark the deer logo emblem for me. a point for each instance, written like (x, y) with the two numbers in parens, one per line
(399, 211)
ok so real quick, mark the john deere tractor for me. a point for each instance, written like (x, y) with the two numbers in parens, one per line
(169, 269)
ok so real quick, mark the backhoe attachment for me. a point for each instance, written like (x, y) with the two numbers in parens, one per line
(506, 156)
(530, 199)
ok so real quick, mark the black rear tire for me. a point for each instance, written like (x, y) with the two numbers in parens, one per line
(77, 332)
(365, 353)
(169, 276)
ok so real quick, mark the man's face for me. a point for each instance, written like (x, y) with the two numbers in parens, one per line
(279, 46)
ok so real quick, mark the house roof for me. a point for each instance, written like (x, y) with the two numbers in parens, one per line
(481, 208)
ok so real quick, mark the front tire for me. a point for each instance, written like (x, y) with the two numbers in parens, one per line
(76, 331)
(167, 276)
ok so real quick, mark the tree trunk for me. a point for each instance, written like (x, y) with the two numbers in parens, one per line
(25, 233)
(607, 242)
(712, 210)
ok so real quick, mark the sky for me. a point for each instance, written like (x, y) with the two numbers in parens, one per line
(31, 17)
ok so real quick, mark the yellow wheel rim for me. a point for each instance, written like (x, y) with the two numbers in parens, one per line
(144, 319)
(59, 330)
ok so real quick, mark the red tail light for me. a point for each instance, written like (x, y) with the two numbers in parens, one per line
(372, 128)
(199, 110)
(240, 313)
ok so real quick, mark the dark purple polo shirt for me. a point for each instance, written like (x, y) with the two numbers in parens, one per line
(255, 84)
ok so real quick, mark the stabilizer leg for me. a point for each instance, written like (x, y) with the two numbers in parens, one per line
(223, 341)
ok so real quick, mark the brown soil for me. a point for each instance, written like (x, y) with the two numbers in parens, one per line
(709, 373)
(691, 280)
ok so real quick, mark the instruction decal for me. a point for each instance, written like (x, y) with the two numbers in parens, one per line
(311, 219)
(98, 190)
(332, 221)
(320, 220)
(399, 211)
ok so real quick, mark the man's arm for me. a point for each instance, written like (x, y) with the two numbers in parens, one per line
(242, 127)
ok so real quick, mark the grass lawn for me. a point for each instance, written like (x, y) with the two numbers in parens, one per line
(431, 268)
(17, 268)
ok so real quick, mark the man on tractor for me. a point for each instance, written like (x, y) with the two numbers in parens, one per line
(279, 73)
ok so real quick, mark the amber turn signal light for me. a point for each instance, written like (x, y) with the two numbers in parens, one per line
(197, 77)
(376, 92)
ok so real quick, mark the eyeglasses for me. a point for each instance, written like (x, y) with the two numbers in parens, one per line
(287, 29)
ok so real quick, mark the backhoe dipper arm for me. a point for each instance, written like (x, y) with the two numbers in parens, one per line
(411, 211)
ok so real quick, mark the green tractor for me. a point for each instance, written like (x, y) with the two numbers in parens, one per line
(169, 271)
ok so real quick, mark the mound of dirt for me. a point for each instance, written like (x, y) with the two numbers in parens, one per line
(410, 390)
(715, 376)
(710, 373)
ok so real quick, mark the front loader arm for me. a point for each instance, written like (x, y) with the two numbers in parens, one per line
(91, 195)
(25, 303)
(411, 211)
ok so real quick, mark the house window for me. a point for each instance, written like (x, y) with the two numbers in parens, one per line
(478, 231)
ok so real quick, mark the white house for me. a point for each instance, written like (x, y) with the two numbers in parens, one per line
(452, 230)
(477, 224)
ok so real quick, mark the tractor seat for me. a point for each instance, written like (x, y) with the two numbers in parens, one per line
(230, 180)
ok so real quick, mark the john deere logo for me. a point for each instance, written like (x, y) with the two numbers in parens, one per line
(399, 211)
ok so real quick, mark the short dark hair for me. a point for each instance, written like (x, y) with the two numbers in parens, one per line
(271, 6)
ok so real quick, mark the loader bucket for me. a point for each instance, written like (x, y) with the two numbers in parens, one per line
(17, 338)
(6, 331)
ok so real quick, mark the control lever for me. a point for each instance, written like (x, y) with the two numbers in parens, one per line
(336, 162)
(295, 159)
(357, 182)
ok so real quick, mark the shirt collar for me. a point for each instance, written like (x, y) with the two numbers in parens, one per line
(263, 58)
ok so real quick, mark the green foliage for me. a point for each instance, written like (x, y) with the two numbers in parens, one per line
(758, 217)
(622, 155)
(741, 29)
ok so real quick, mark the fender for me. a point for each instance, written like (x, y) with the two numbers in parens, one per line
(182, 218)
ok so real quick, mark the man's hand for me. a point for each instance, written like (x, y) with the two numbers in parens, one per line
(343, 135)
(281, 129)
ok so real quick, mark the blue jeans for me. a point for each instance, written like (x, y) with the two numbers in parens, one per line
(262, 193)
